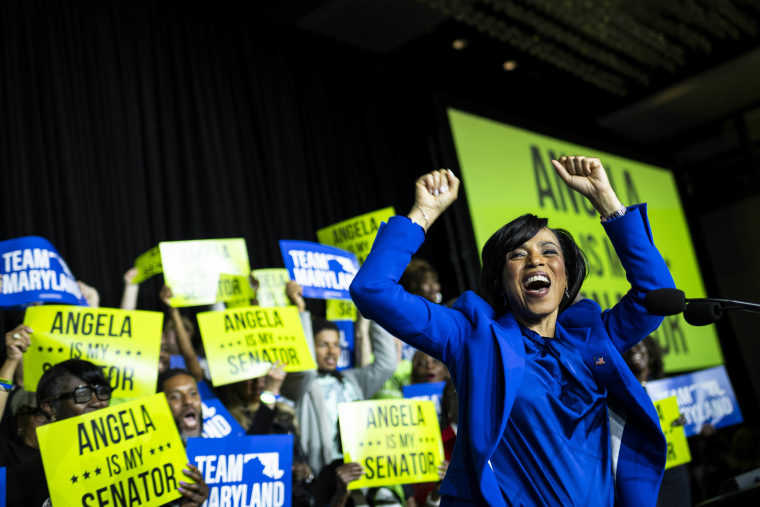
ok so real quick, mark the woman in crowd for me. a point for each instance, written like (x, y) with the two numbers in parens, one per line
(68, 389)
(536, 371)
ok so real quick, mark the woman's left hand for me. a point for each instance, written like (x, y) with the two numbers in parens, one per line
(587, 176)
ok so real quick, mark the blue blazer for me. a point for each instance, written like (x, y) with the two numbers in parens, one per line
(486, 357)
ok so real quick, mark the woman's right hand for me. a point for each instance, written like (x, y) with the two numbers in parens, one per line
(434, 192)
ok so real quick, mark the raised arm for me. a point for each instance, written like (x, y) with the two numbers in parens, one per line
(183, 338)
(131, 289)
(627, 322)
(432, 328)
(17, 342)
(296, 383)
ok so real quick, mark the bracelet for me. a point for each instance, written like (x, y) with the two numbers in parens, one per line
(617, 213)
(269, 398)
(6, 385)
(424, 215)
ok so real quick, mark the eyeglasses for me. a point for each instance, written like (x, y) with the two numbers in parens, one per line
(83, 394)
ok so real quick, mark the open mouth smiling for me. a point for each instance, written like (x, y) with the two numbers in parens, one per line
(190, 419)
(537, 284)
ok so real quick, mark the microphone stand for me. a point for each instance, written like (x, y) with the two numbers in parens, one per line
(730, 304)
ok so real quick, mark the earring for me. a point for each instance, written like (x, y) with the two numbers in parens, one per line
(567, 294)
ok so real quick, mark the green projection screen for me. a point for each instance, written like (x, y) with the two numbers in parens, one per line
(507, 171)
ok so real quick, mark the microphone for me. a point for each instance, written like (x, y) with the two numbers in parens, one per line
(697, 311)
(665, 302)
(702, 313)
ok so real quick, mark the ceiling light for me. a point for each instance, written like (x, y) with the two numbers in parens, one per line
(509, 65)
(459, 44)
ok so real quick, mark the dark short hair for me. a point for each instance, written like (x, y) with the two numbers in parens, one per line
(514, 234)
(318, 324)
(172, 372)
(415, 274)
(52, 381)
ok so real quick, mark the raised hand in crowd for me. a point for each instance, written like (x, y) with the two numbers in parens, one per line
(253, 282)
(177, 326)
(131, 290)
(17, 342)
(274, 378)
(89, 293)
(295, 295)
(193, 494)
(345, 474)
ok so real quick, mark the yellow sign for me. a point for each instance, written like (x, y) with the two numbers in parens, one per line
(340, 309)
(395, 441)
(355, 234)
(234, 290)
(192, 268)
(271, 291)
(243, 343)
(507, 171)
(678, 447)
(129, 454)
(124, 343)
(148, 264)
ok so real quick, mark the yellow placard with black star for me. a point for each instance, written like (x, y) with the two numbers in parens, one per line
(244, 343)
(395, 441)
(124, 343)
(128, 454)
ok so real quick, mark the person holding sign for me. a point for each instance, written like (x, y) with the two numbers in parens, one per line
(317, 394)
(69, 389)
(537, 372)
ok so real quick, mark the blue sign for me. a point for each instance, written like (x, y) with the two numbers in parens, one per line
(324, 272)
(217, 420)
(431, 391)
(252, 470)
(705, 396)
(347, 344)
(33, 272)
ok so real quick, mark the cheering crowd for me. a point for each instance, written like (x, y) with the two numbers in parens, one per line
(304, 404)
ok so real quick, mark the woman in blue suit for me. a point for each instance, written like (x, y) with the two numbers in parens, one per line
(549, 414)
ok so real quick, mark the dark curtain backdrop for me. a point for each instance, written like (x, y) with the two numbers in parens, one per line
(126, 123)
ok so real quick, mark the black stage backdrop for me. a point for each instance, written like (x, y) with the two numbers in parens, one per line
(126, 123)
